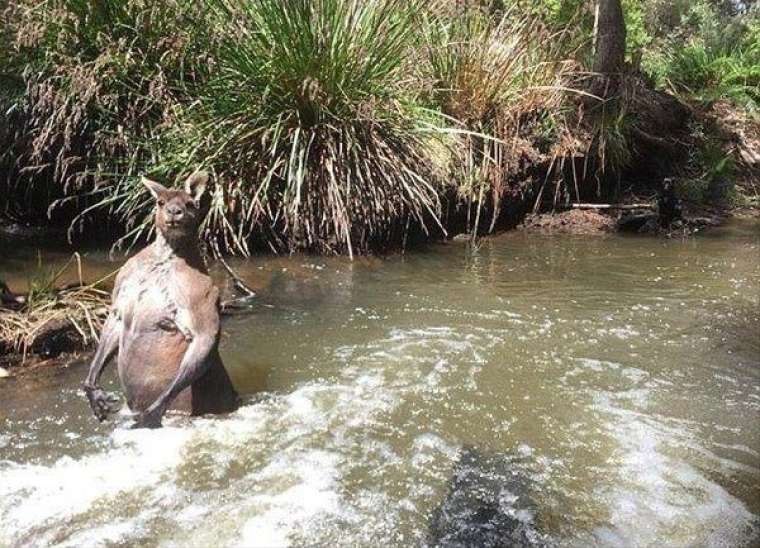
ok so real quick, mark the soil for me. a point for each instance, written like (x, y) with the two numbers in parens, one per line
(576, 221)
(587, 222)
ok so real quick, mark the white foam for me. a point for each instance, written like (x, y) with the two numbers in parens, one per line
(42, 494)
(312, 496)
(670, 495)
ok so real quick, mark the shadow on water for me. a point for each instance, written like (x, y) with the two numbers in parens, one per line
(488, 505)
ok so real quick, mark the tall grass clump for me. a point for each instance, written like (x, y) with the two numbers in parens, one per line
(504, 82)
(99, 80)
(311, 126)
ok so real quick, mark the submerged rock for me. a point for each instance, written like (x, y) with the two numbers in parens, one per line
(488, 505)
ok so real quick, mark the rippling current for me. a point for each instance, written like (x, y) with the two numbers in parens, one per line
(536, 391)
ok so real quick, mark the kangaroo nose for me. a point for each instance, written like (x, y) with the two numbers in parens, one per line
(174, 211)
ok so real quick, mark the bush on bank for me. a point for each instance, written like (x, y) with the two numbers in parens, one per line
(329, 125)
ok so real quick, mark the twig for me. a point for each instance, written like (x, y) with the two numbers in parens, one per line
(239, 283)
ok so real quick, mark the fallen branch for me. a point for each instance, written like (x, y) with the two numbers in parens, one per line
(612, 206)
(238, 305)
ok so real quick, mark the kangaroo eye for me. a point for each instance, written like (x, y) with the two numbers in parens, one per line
(191, 204)
(161, 203)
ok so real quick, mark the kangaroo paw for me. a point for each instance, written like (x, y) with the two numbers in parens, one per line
(103, 403)
(148, 419)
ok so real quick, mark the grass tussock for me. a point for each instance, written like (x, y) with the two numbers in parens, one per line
(312, 126)
(505, 84)
(76, 313)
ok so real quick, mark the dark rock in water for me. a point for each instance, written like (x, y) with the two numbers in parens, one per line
(488, 505)
(637, 222)
(55, 338)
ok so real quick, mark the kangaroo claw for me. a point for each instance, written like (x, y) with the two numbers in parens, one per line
(102, 403)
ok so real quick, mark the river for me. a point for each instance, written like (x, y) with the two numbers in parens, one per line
(547, 391)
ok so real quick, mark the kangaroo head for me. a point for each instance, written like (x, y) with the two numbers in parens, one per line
(179, 212)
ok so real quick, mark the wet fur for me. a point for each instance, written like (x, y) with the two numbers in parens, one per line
(164, 324)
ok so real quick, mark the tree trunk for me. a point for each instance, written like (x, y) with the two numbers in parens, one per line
(609, 37)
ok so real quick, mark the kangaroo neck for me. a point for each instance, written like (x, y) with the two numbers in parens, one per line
(185, 249)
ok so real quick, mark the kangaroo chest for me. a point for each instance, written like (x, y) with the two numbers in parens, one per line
(149, 300)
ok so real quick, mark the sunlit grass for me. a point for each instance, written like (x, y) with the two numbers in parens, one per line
(504, 80)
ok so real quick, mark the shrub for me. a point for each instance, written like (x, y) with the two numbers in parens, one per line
(311, 126)
(709, 53)
(502, 80)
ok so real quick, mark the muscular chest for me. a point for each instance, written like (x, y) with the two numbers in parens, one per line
(150, 299)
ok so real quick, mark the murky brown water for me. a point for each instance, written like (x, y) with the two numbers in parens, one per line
(539, 391)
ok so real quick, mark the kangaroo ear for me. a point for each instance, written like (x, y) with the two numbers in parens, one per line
(195, 185)
(156, 189)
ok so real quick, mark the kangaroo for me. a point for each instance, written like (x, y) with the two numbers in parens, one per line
(164, 320)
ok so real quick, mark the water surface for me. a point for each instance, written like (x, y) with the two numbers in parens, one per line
(550, 391)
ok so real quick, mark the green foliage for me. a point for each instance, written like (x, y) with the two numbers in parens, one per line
(712, 173)
(100, 77)
(311, 124)
(638, 37)
(574, 19)
(709, 54)
(611, 137)
(41, 284)
(329, 125)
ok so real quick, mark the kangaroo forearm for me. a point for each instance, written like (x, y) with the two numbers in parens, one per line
(109, 344)
(195, 363)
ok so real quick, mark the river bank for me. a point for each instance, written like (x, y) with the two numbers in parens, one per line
(463, 114)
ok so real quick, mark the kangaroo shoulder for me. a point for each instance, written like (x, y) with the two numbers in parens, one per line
(197, 287)
(132, 267)
(206, 290)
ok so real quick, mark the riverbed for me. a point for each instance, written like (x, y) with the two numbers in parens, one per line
(536, 390)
